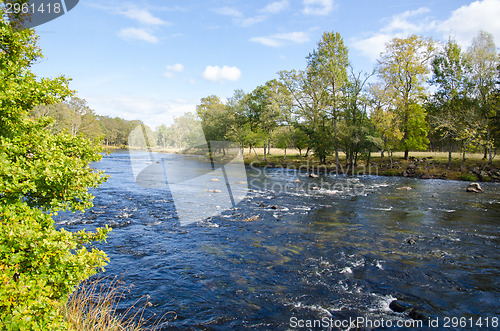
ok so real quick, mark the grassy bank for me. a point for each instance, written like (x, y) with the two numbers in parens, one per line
(424, 165)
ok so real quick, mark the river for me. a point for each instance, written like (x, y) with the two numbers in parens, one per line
(332, 254)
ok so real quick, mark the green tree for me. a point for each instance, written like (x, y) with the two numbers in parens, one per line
(483, 61)
(73, 115)
(451, 111)
(385, 119)
(355, 128)
(241, 127)
(310, 107)
(328, 66)
(403, 68)
(215, 118)
(41, 173)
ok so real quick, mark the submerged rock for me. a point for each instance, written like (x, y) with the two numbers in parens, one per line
(404, 307)
(474, 188)
(251, 219)
(404, 188)
(214, 191)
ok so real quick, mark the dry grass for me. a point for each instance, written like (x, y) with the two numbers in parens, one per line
(93, 307)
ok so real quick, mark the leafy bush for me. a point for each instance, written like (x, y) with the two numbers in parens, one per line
(39, 267)
(40, 174)
(468, 177)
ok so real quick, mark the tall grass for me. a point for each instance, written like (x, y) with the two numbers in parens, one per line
(94, 307)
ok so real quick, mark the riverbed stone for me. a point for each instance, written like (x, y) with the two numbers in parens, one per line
(474, 188)
(313, 175)
(426, 176)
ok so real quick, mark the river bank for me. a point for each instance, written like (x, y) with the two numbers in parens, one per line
(424, 165)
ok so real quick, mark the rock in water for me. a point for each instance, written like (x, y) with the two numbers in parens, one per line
(313, 176)
(399, 306)
(251, 219)
(474, 188)
(404, 188)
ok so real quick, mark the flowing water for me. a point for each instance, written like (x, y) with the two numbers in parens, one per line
(343, 251)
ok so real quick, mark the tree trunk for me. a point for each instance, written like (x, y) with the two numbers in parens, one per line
(390, 157)
(449, 153)
(406, 154)
(490, 158)
(463, 161)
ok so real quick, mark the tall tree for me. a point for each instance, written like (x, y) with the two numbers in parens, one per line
(451, 114)
(404, 69)
(309, 102)
(385, 119)
(356, 125)
(328, 66)
(216, 118)
(483, 61)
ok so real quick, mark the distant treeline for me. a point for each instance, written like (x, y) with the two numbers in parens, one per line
(76, 117)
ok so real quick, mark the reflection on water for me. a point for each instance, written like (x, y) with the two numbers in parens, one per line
(345, 249)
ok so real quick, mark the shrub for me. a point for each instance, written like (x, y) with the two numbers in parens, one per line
(468, 177)
(39, 267)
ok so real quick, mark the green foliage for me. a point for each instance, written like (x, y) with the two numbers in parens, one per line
(328, 109)
(468, 177)
(39, 267)
(216, 118)
(403, 68)
(417, 129)
(186, 132)
(46, 171)
(40, 173)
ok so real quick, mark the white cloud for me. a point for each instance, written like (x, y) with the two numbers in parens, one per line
(399, 26)
(138, 34)
(238, 18)
(250, 20)
(281, 39)
(142, 16)
(318, 7)
(275, 7)
(152, 111)
(171, 70)
(228, 11)
(221, 74)
(465, 22)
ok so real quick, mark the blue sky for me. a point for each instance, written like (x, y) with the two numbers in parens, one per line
(154, 60)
